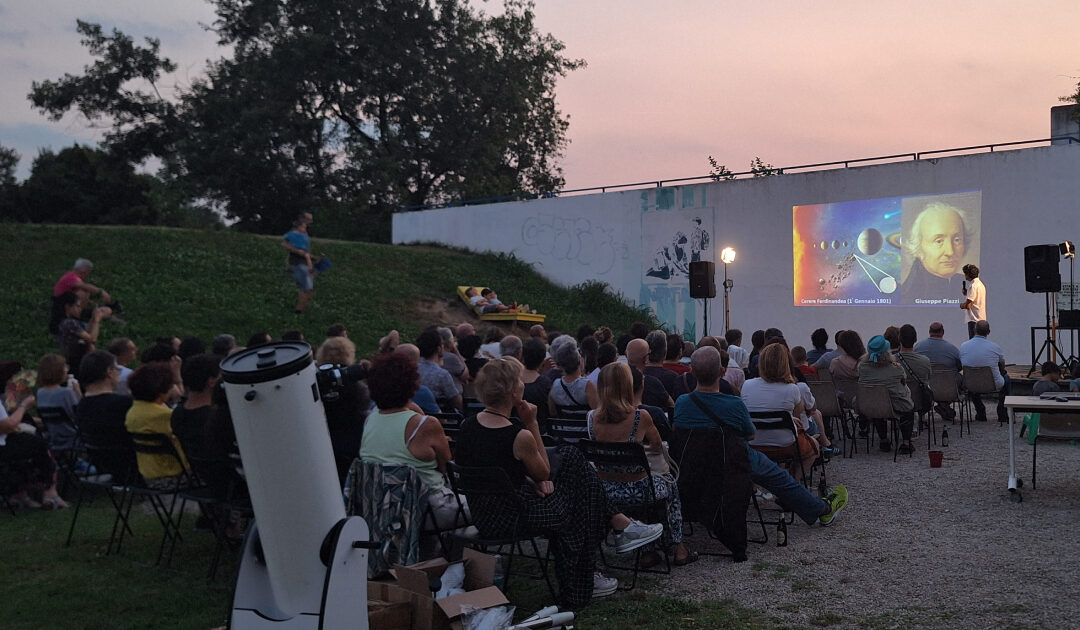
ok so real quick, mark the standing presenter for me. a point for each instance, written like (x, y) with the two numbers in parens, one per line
(298, 244)
(974, 302)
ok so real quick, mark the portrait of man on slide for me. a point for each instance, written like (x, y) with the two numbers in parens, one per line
(935, 247)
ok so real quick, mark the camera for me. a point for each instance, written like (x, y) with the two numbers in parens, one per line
(333, 378)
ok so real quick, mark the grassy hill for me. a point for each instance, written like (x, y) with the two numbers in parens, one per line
(191, 282)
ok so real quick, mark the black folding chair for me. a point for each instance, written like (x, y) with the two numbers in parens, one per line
(58, 422)
(630, 457)
(222, 495)
(490, 484)
(161, 445)
(832, 411)
(566, 431)
(117, 472)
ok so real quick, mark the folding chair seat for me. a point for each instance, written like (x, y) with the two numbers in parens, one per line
(947, 392)
(829, 405)
(978, 381)
(566, 431)
(1053, 426)
(875, 403)
(629, 457)
(161, 445)
(572, 412)
(775, 426)
(490, 485)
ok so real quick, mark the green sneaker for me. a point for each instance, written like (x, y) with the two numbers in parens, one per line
(837, 499)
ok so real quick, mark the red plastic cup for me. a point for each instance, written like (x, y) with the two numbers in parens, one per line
(935, 458)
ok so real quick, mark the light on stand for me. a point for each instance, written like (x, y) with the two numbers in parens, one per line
(727, 256)
(1068, 250)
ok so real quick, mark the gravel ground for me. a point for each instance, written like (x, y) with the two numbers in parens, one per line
(919, 547)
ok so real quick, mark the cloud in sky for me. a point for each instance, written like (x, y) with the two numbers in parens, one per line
(669, 83)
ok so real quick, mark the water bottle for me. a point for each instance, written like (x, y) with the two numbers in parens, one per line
(781, 532)
(499, 578)
(945, 436)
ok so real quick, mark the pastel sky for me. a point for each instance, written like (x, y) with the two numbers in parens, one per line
(669, 83)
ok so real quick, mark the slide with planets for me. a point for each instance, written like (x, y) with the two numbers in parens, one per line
(852, 252)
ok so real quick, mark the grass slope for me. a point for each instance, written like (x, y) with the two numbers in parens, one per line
(191, 282)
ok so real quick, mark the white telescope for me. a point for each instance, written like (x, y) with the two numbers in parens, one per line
(304, 563)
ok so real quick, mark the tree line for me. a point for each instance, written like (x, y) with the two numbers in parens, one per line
(348, 108)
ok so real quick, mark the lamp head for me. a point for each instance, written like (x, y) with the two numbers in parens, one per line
(727, 255)
(1067, 249)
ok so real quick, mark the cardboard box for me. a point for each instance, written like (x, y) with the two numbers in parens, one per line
(445, 613)
(390, 607)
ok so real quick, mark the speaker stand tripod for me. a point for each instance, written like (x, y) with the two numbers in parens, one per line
(705, 309)
(1049, 346)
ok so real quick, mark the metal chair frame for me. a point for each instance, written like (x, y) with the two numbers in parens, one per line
(492, 481)
(630, 456)
(874, 402)
(943, 383)
(978, 381)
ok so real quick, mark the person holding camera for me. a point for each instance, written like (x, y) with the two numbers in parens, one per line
(75, 337)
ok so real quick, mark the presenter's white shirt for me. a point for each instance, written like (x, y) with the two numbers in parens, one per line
(977, 294)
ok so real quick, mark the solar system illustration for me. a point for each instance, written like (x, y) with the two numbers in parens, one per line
(848, 252)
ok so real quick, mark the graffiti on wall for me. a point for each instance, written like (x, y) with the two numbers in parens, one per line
(676, 230)
(574, 239)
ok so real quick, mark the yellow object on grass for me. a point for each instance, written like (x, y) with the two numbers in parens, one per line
(497, 317)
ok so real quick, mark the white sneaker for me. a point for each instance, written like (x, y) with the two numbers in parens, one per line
(603, 586)
(636, 535)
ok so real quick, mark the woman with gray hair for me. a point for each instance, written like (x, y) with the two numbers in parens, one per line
(878, 367)
(572, 393)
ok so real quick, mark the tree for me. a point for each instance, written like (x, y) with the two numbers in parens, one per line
(91, 186)
(359, 105)
(758, 168)
(11, 207)
(763, 169)
(1075, 99)
(719, 172)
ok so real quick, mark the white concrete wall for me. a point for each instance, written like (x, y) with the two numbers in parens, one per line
(1029, 196)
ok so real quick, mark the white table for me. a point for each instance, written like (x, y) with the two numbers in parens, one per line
(1030, 404)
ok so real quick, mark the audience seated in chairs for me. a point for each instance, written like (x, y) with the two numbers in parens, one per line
(572, 393)
(100, 416)
(776, 390)
(698, 409)
(21, 447)
(878, 367)
(618, 419)
(399, 434)
(200, 373)
(150, 386)
(568, 503)
(537, 384)
(57, 396)
(346, 409)
(845, 367)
